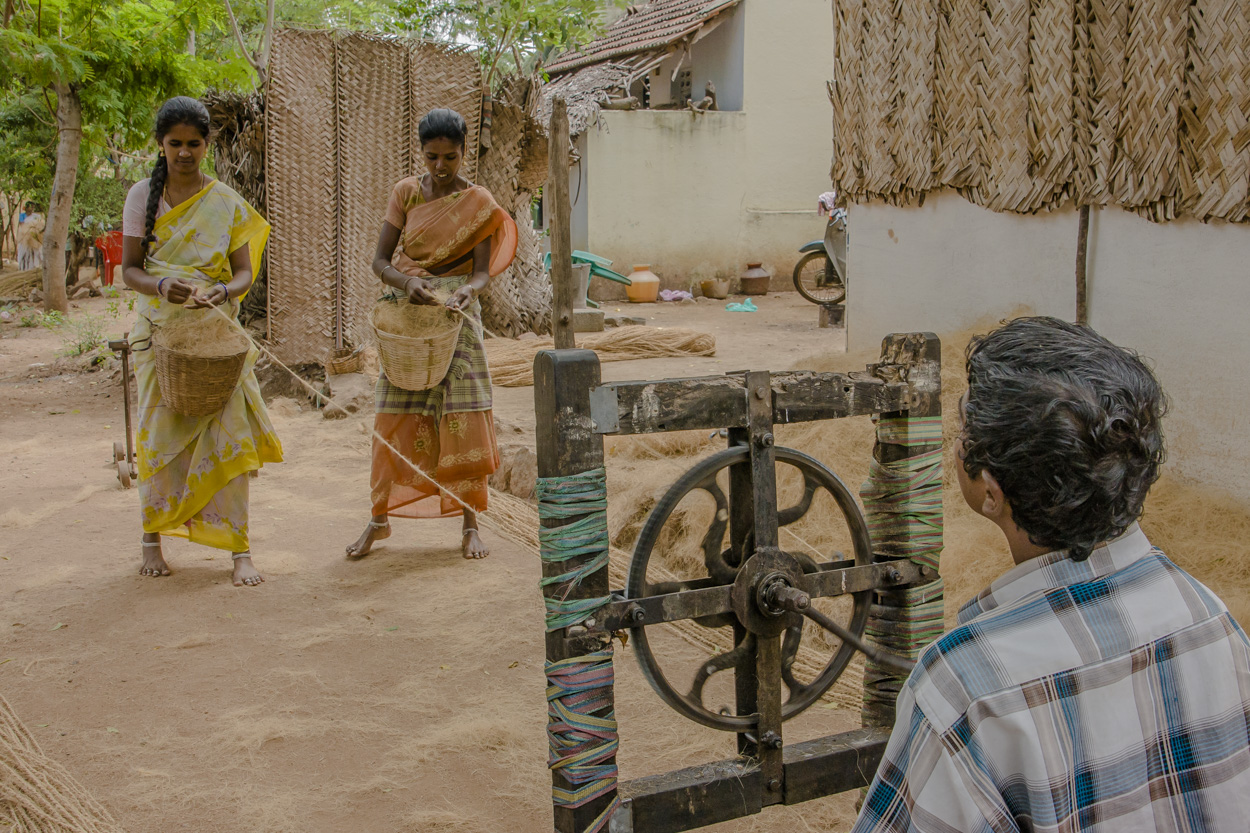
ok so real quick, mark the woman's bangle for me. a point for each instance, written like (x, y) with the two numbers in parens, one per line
(223, 285)
(159, 284)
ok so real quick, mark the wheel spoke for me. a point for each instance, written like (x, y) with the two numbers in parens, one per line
(788, 516)
(789, 653)
(717, 664)
(714, 554)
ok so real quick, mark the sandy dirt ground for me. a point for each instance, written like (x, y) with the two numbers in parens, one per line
(403, 692)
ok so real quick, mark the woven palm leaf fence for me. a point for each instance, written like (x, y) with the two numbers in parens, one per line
(336, 129)
(1023, 105)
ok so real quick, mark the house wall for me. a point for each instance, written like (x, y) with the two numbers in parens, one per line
(697, 196)
(719, 58)
(1175, 292)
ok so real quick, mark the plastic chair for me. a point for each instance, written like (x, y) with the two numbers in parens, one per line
(110, 245)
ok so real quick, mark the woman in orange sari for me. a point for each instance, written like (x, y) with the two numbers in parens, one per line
(452, 238)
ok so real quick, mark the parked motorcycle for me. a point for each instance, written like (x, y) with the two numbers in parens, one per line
(820, 274)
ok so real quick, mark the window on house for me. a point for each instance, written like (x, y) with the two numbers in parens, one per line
(682, 87)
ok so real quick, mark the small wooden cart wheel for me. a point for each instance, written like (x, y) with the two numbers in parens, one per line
(119, 451)
(123, 473)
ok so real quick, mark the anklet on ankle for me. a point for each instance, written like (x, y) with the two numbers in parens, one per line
(236, 556)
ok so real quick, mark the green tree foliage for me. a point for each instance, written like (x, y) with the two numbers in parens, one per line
(512, 35)
(99, 69)
(27, 144)
(80, 80)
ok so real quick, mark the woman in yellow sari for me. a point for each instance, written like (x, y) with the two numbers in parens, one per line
(452, 238)
(191, 243)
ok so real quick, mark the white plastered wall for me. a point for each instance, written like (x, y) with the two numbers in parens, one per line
(1177, 293)
(697, 196)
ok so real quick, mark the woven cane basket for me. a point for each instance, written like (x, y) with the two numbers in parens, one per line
(418, 362)
(197, 386)
(345, 361)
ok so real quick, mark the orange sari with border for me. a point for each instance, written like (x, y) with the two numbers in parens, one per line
(447, 431)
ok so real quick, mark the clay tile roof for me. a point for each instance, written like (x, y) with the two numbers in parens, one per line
(648, 26)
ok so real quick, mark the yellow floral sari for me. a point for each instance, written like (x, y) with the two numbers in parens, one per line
(193, 471)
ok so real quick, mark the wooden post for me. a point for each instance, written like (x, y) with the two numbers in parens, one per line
(923, 353)
(566, 446)
(1082, 247)
(557, 196)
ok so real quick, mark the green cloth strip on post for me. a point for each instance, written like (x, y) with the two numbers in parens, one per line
(903, 507)
(581, 499)
(903, 499)
(582, 744)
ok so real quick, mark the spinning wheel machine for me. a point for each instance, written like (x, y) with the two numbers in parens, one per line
(751, 584)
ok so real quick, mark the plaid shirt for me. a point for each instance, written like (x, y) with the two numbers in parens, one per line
(1107, 695)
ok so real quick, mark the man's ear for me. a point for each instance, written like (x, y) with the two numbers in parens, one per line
(995, 504)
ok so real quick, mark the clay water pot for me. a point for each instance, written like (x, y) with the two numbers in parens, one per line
(644, 287)
(717, 288)
(755, 280)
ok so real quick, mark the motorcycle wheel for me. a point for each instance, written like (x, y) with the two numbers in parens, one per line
(817, 280)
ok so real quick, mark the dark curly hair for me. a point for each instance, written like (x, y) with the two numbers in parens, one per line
(1069, 424)
(443, 124)
(178, 110)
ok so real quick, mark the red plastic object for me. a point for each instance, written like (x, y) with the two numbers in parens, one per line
(110, 245)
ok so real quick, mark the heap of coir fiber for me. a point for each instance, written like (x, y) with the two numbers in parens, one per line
(414, 320)
(203, 336)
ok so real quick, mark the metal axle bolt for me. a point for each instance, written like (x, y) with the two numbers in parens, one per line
(766, 440)
(788, 598)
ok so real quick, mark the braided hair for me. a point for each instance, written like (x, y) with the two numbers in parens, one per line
(178, 110)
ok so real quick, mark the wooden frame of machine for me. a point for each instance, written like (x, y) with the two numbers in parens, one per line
(754, 585)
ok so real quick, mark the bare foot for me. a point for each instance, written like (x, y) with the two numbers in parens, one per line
(375, 531)
(245, 572)
(153, 559)
(473, 547)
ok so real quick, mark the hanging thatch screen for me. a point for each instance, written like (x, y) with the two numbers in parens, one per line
(1025, 104)
(341, 114)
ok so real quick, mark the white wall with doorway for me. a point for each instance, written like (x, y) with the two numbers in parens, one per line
(697, 196)
(1175, 292)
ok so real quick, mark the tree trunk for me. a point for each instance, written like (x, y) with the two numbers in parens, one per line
(8, 12)
(8, 237)
(68, 145)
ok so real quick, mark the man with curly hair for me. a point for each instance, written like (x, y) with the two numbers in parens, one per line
(1095, 686)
